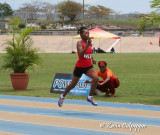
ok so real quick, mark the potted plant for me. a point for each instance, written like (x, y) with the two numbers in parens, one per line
(20, 56)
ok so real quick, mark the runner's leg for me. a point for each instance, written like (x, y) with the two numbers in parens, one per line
(71, 85)
(93, 75)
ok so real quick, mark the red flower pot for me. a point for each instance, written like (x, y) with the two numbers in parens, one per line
(19, 80)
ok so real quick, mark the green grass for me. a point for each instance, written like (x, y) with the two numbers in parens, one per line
(139, 76)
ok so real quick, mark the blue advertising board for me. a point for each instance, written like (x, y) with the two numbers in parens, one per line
(62, 80)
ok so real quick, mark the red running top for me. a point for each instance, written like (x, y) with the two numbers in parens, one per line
(85, 60)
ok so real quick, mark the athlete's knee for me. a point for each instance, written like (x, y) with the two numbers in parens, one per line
(95, 78)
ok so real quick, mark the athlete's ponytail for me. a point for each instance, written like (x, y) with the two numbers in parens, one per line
(80, 31)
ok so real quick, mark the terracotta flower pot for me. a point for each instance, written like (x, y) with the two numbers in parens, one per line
(19, 80)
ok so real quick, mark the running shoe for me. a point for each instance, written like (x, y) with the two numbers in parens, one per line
(92, 101)
(60, 101)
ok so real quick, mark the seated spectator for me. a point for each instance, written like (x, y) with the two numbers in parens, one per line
(93, 50)
(100, 50)
(112, 50)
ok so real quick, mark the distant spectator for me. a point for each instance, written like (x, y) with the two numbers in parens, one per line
(73, 52)
(93, 50)
(100, 50)
(112, 50)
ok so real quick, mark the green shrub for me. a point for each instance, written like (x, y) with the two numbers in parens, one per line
(43, 26)
(53, 26)
(22, 25)
(20, 54)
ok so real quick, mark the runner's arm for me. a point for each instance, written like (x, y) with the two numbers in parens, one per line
(80, 49)
(93, 61)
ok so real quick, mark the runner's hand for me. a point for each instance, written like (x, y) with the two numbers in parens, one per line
(86, 81)
(93, 61)
(89, 41)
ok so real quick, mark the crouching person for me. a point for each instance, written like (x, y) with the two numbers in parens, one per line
(109, 82)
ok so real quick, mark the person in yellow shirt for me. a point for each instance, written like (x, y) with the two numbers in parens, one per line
(109, 82)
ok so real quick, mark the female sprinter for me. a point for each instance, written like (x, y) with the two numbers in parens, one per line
(83, 65)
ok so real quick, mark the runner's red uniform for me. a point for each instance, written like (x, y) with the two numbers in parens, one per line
(85, 60)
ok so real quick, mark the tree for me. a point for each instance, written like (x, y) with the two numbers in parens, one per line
(149, 20)
(103, 11)
(30, 10)
(153, 18)
(142, 25)
(59, 11)
(48, 10)
(93, 11)
(68, 9)
(155, 4)
(5, 10)
(100, 11)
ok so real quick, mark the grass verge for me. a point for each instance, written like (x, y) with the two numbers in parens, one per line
(138, 73)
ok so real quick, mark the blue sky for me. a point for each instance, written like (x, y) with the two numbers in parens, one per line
(121, 6)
